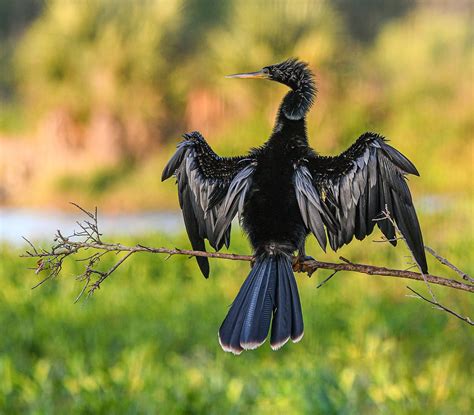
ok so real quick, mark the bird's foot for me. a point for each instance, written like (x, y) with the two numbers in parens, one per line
(299, 263)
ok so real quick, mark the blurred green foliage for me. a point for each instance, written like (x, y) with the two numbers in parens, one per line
(14, 18)
(403, 69)
(89, 55)
(147, 343)
(139, 60)
(99, 181)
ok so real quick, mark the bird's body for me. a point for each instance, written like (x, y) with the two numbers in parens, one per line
(267, 216)
(282, 191)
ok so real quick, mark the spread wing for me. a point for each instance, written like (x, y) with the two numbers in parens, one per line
(347, 193)
(210, 190)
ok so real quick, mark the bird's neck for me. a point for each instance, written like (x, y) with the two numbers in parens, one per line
(290, 123)
(289, 133)
(299, 100)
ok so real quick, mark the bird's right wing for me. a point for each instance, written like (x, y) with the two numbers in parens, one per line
(347, 194)
(211, 191)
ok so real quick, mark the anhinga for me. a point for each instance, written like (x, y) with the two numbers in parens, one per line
(282, 191)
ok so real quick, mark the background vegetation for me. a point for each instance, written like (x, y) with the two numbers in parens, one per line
(93, 98)
(147, 342)
(95, 94)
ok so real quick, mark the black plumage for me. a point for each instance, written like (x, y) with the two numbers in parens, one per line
(203, 180)
(282, 191)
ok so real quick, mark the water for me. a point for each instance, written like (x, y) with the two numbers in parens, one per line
(42, 224)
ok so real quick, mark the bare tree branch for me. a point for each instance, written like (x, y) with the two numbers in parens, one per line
(89, 239)
(434, 299)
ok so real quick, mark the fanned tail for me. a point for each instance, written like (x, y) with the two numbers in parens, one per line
(269, 290)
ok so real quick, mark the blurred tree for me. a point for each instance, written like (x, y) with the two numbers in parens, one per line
(105, 81)
(16, 15)
(131, 62)
(365, 18)
(196, 19)
(134, 64)
(14, 18)
(425, 90)
(270, 32)
(102, 59)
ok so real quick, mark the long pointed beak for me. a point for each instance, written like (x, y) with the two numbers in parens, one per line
(250, 75)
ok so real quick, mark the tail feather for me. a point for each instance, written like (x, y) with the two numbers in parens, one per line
(235, 317)
(282, 320)
(297, 326)
(237, 320)
(269, 290)
(260, 308)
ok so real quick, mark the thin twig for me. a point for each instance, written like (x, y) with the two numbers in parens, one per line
(387, 216)
(346, 260)
(327, 279)
(442, 307)
(444, 261)
(434, 299)
(83, 210)
(96, 285)
(31, 244)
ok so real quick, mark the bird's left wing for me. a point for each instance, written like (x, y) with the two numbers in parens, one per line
(348, 193)
(210, 189)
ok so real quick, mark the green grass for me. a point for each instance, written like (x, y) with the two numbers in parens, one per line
(147, 342)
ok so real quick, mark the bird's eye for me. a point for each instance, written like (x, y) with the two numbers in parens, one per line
(266, 71)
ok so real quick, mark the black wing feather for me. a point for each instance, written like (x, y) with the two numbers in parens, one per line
(357, 186)
(192, 229)
(204, 180)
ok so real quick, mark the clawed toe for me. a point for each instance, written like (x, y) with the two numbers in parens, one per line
(299, 260)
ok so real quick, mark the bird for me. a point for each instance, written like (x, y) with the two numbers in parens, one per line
(282, 192)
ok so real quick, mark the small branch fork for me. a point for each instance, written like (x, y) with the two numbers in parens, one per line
(88, 238)
(434, 300)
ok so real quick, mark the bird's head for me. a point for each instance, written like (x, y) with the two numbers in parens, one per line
(296, 75)
(292, 73)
